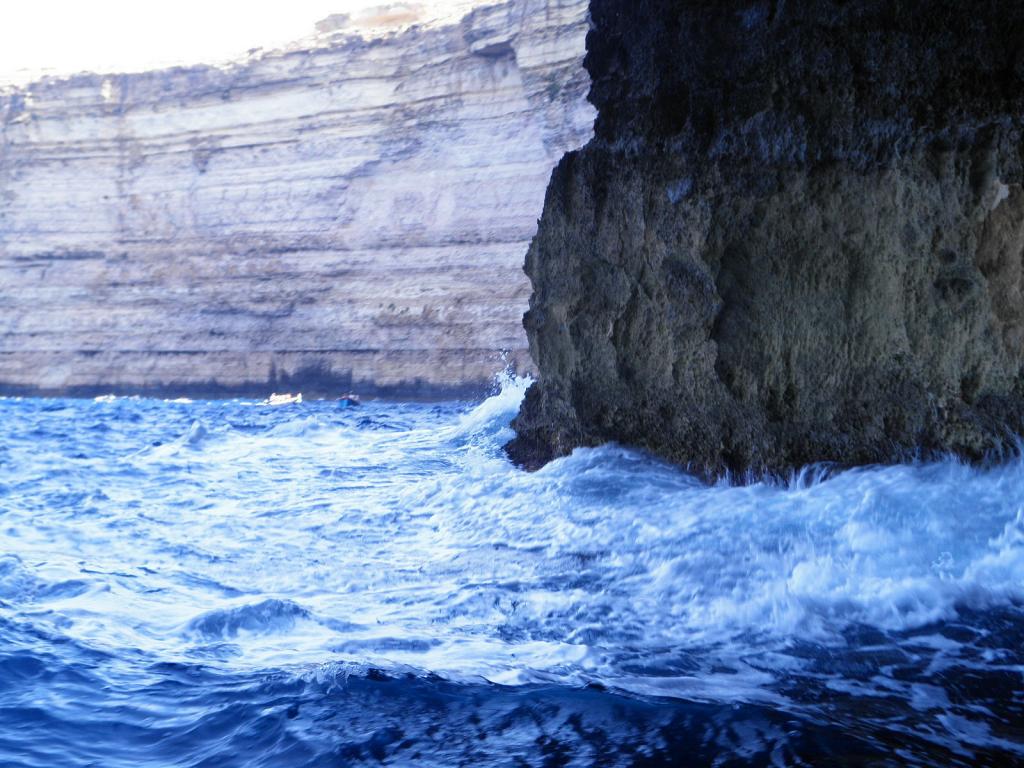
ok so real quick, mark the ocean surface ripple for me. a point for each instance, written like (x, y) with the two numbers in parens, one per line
(233, 584)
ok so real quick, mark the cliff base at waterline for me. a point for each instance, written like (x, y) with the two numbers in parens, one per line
(797, 236)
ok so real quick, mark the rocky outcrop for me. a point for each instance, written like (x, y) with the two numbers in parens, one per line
(351, 214)
(797, 236)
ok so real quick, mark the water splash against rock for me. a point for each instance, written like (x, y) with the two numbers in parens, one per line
(308, 582)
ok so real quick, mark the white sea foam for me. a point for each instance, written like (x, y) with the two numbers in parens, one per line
(400, 535)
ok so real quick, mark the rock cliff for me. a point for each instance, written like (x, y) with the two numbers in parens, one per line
(348, 214)
(797, 236)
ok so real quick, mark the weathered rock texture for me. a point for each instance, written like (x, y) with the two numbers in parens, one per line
(797, 236)
(349, 215)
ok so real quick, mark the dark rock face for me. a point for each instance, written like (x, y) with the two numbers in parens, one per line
(797, 236)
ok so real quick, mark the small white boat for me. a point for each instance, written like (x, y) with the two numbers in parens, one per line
(283, 399)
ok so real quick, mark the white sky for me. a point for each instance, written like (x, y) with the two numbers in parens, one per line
(69, 36)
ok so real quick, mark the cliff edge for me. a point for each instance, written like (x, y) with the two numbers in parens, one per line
(797, 236)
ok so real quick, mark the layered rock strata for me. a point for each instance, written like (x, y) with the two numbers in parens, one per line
(797, 236)
(348, 215)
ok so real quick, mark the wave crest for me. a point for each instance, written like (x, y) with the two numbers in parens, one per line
(267, 617)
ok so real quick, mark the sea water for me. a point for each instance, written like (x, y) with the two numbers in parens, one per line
(234, 584)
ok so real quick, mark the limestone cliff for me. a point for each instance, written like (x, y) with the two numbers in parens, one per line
(349, 214)
(797, 236)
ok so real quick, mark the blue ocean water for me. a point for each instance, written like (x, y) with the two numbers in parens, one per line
(235, 584)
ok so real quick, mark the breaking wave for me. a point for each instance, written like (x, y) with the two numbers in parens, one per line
(211, 581)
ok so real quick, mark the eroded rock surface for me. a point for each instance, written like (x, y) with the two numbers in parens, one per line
(797, 236)
(348, 215)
